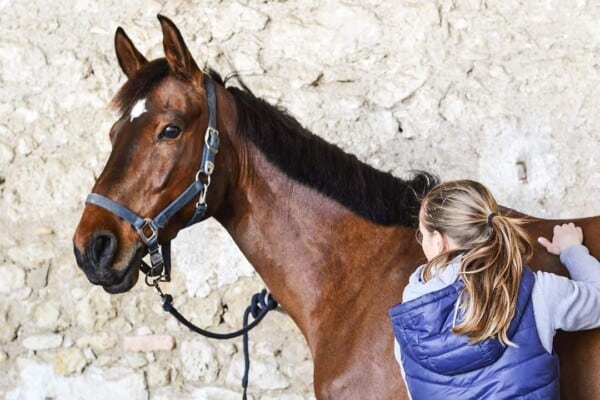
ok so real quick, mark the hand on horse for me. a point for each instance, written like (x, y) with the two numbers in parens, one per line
(565, 236)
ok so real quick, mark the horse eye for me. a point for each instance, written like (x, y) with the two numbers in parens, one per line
(170, 132)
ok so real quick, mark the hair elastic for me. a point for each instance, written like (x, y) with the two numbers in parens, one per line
(490, 218)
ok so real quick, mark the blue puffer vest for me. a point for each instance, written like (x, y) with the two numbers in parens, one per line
(439, 364)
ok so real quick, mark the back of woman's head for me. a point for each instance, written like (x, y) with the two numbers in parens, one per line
(494, 247)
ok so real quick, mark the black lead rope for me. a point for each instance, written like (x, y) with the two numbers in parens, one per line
(260, 305)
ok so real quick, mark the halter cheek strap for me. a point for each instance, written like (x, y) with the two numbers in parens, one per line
(148, 228)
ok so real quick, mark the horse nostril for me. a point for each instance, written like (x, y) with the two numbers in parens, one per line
(102, 249)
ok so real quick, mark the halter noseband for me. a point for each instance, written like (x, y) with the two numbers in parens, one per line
(147, 228)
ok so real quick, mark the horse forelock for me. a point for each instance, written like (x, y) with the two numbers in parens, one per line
(140, 86)
(146, 79)
(310, 160)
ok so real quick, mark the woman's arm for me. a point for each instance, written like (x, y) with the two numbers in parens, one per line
(563, 303)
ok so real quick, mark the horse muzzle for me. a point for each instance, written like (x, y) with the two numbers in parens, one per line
(97, 261)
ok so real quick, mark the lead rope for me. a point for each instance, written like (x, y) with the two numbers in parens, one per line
(260, 304)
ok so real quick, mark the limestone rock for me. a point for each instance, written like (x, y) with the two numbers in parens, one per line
(133, 360)
(42, 342)
(94, 310)
(158, 374)
(100, 342)
(39, 381)
(247, 18)
(46, 315)
(38, 278)
(217, 393)
(12, 278)
(69, 361)
(148, 343)
(198, 361)
(264, 373)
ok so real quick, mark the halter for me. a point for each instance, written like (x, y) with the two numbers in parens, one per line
(160, 257)
(147, 228)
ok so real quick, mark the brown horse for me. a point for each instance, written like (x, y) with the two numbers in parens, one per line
(332, 238)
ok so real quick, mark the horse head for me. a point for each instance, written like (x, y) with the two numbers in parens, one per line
(156, 147)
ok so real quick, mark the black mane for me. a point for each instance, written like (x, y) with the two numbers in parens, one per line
(310, 160)
(303, 156)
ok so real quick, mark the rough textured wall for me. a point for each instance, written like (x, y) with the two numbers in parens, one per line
(505, 92)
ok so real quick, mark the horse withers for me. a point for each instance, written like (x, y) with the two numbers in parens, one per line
(332, 238)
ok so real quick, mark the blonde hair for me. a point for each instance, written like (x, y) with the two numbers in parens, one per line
(494, 247)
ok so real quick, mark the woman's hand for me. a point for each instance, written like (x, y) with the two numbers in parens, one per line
(565, 235)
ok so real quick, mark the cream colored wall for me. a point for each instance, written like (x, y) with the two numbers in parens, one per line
(503, 92)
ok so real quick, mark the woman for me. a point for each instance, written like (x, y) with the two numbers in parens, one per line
(476, 322)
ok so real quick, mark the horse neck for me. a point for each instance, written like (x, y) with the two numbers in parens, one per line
(310, 251)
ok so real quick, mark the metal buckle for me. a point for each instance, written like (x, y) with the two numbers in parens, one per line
(140, 231)
(210, 131)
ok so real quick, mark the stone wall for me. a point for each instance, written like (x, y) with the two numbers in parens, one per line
(505, 92)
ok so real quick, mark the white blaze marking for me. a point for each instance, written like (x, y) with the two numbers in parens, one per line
(138, 109)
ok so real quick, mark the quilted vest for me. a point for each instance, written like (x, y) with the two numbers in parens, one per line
(439, 364)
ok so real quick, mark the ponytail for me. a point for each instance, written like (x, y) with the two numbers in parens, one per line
(495, 249)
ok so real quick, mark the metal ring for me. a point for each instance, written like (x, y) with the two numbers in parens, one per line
(140, 231)
(199, 173)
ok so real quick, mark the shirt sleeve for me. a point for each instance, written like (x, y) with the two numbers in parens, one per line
(568, 304)
(581, 264)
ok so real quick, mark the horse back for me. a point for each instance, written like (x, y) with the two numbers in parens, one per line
(536, 227)
(579, 352)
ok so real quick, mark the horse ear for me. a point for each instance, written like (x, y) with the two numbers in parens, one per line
(130, 59)
(178, 56)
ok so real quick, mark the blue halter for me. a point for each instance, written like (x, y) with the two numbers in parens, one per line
(147, 228)
(160, 258)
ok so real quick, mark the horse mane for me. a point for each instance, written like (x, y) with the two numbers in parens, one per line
(375, 195)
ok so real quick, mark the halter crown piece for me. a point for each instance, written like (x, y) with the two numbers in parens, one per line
(147, 228)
